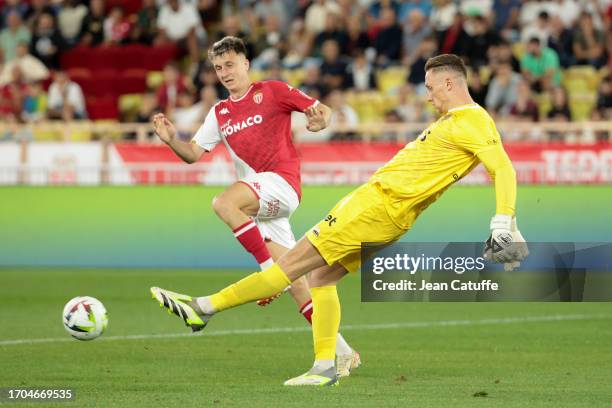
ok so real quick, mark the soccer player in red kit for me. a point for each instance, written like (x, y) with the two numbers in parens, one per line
(254, 123)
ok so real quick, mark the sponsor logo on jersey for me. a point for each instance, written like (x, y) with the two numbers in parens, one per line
(224, 111)
(229, 129)
(258, 97)
(257, 186)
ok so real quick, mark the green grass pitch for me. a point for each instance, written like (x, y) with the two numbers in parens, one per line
(414, 354)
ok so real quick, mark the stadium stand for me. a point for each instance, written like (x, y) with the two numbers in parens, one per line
(118, 74)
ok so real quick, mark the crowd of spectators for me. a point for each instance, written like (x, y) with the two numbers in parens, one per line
(519, 52)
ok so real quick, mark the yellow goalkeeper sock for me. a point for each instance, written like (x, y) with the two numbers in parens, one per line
(256, 286)
(325, 321)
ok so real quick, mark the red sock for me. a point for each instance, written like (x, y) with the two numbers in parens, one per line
(249, 236)
(306, 311)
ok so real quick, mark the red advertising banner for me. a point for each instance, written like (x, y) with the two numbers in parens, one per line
(352, 163)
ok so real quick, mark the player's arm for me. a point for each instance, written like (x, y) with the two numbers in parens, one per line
(318, 116)
(506, 243)
(188, 152)
(500, 168)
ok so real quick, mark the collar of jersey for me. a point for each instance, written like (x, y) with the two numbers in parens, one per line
(243, 96)
(462, 107)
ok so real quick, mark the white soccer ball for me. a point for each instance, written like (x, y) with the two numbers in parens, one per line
(85, 318)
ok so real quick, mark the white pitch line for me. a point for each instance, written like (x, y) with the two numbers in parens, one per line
(379, 326)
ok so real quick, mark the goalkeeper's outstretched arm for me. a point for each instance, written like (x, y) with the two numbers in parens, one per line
(499, 166)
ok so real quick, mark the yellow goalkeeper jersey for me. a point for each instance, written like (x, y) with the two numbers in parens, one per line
(442, 154)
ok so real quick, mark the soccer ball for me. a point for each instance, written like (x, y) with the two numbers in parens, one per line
(85, 318)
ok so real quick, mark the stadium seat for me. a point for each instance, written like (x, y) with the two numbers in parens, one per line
(154, 79)
(128, 6)
(157, 57)
(132, 81)
(131, 56)
(102, 107)
(79, 56)
(390, 79)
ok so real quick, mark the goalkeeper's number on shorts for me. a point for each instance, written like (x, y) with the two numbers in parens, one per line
(505, 244)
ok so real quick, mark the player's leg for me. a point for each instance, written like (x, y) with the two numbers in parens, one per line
(347, 358)
(325, 325)
(235, 206)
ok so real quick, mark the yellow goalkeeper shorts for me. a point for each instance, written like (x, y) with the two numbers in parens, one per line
(358, 218)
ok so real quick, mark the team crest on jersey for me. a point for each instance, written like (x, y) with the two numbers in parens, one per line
(258, 97)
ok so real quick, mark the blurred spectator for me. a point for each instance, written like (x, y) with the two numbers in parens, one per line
(66, 100)
(147, 108)
(407, 6)
(265, 8)
(561, 40)
(37, 8)
(316, 15)
(377, 7)
(116, 27)
(589, 43)
(502, 92)
(415, 31)
(416, 76)
(342, 115)
(391, 116)
(35, 104)
(13, 6)
(145, 29)
(540, 66)
(559, 111)
(313, 85)
(179, 22)
(299, 43)
(171, 87)
(332, 31)
(361, 75)
(12, 96)
(15, 32)
(603, 109)
(188, 114)
(454, 39)
(31, 68)
(476, 8)
(443, 14)
(540, 29)
(531, 9)
(269, 45)
(358, 39)
(569, 10)
(505, 17)
(210, 12)
(388, 41)
(207, 76)
(70, 19)
(231, 26)
(480, 40)
(275, 73)
(501, 53)
(478, 89)
(92, 29)
(47, 42)
(411, 107)
(525, 108)
(333, 69)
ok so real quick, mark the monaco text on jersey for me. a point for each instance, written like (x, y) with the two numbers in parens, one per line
(230, 128)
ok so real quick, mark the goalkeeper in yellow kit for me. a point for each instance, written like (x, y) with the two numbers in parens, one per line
(382, 210)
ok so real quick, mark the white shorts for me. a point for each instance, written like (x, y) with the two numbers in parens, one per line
(277, 201)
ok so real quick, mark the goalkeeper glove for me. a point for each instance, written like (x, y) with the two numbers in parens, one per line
(505, 244)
